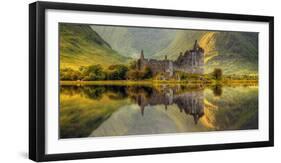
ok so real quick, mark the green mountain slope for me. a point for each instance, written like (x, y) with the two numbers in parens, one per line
(233, 52)
(129, 41)
(81, 46)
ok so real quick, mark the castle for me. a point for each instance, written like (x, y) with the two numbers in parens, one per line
(192, 61)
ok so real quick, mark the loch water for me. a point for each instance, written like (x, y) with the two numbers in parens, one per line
(120, 110)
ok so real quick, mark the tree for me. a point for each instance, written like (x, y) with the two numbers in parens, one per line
(69, 74)
(217, 73)
(147, 73)
(132, 75)
(117, 72)
(133, 65)
(93, 72)
(135, 75)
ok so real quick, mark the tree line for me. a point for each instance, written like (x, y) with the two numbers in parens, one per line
(113, 72)
(131, 72)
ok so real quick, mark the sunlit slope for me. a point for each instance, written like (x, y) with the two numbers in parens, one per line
(234, 52)
(81, 46)
(237, 53)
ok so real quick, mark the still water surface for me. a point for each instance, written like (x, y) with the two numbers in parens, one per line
(105, 110)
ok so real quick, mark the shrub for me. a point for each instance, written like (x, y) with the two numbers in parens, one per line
(217, 73)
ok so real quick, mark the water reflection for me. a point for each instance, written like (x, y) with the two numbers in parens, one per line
(191, 103)
(103, 110)
(217, 90)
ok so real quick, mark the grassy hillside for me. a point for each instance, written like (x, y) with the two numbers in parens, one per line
(118, 37)
(234, 52)
(81, 46)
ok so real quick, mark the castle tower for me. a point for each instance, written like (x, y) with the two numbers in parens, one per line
(142, 56)
(196, 46)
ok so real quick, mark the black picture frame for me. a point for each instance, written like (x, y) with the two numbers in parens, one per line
(37, 80)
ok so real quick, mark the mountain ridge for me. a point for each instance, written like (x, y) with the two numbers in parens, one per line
(129, 41)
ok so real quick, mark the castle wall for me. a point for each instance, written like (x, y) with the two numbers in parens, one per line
(190, 62)
(154, 65)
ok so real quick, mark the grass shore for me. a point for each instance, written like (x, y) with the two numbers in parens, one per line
(159, 82)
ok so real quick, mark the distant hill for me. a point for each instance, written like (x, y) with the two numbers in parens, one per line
(129, 41)
(82, 46)
(234, 52)
(183, 41)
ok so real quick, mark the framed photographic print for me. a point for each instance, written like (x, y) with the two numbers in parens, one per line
(117, 81)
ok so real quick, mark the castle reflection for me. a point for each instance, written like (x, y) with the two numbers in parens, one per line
(189, 100)
(191, 103)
